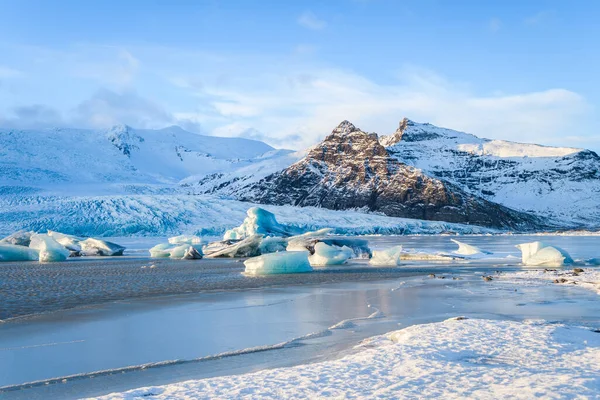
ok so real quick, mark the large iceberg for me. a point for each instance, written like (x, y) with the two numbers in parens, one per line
(541, 254)
(69, 241)
(259, 221)
(387, 257)
(465, 249)
(49, 249)
(286, 262)
(20, 238)
(330, 255)
(97, 247)
(13, 252)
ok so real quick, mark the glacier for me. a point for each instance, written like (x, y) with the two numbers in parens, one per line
(286, 262)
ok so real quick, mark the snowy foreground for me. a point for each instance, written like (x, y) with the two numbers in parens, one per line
(456, 358)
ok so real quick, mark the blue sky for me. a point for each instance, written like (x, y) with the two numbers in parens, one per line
(288, 72)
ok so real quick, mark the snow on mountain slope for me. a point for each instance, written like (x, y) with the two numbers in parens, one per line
(555, 182)
(63, 157)
(163, 215)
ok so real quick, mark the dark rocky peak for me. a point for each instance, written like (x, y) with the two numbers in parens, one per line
(124, 138)
(345, 127)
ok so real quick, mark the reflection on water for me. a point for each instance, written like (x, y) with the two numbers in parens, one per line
(126, 333)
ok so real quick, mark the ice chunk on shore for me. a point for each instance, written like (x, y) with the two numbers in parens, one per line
(385, 257)
(69, 241)
(259, 221)
(14, 252)
(465, 249)
(249, 247)
(20, 238)
(285, 262)
(330, 255)
(97, 247)
(49, 249)
(185, 239)
(541, 254)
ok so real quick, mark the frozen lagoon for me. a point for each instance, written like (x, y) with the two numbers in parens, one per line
(233, 313)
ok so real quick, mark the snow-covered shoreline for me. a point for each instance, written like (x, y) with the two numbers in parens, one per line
(588, 278)
(456, 358)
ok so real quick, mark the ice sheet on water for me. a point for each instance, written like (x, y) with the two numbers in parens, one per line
(465, 249)
(13, 252)
(49, 249)
(387, 257)
(259, 221)
(97, 247)
(20, 238)
(541, 254)
(285, 262)
(330, 255)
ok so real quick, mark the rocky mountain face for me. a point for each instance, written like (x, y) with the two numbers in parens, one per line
(351, 169)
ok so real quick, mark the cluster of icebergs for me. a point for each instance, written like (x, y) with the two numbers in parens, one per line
(274, 248)
(53, 246)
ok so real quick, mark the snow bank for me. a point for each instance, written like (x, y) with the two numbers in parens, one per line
(259, 221)
(465, 249)
(49, 249)
(13, 252)
(541, 254)
(387, 257)
(456, 358)
(330, 255)
(286, 262)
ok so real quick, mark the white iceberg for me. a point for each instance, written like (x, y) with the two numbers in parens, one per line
(20, 238)
(465, 249)
(541, 254)
(249, 247)
(69, 241)
(387, 257)
(258, 221)
(182, 252)
(285, 262)
(97, 247)
(330, 255)
(360, 247)
(49, 249)
(185, 239)
(13, 252)
(161, 250)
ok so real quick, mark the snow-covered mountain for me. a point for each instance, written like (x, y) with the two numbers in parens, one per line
(350, 169)
(559, 183)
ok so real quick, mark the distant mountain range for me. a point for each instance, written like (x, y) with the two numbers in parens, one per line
(420, 171)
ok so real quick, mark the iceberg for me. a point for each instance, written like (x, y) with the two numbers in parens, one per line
(330, 255)
(13, 252)
(20, 238)
(185, 239)
(192, 253)
(183, 251)
(161, 250)
(285, 262)
(69, 241)
(259, 221)
(272, 244)
(424, 256)
(249, 247)
(387, 257)
(465, 249)
(360, 247)
(49, 249)
(541, 254)
(97, 247)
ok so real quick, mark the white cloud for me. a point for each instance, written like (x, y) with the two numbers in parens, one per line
(311, 21)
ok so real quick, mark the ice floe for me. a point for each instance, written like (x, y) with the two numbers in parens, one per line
(285, 262)
(49, 249)
(330, 255)
(259, 221)
(541, 254)
(465, 249)
(387, 257)
(13, 252)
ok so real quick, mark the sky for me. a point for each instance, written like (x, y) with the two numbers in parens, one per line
(287, 72)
